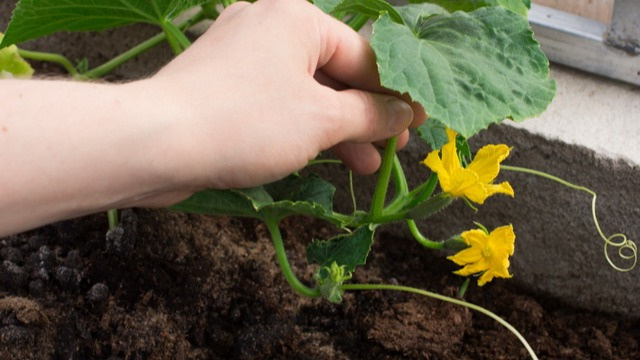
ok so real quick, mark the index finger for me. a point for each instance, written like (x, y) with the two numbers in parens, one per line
(347, 60)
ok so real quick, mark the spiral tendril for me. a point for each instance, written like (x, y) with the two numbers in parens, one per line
(627, 249)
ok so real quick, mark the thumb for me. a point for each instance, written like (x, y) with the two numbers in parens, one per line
(368, 117)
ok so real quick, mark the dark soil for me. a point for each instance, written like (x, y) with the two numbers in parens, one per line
(177, 286)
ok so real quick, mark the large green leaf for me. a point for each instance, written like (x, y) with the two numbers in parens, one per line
(348, 250)
(293, 195)
(35, 18)
(518, 6)
(468, 70)
(12, 64)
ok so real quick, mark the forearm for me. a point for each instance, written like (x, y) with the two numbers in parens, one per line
(68, 149)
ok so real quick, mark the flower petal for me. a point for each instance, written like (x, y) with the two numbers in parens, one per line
(477, 193)
(485, 278)
(434, 163)
(475, 238)
(487, 161)
(502, 188)
(466, 256)
(451, 135)
(461, 182)
(503, 239)
(450, 159)
(474, 268)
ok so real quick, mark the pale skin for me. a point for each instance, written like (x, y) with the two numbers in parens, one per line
(268, 87)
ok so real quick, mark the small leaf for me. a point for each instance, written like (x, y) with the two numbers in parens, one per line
(12, 64)
(520, 7)
(222, 202)
(310, 196)
(311, 189)
(468, 70)
(414, 13)
(434, 133)
(372, 8)
(345, 250)
(35, 18)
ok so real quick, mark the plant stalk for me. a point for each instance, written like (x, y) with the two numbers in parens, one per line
(112, 217)
(49, 57)
(176, 38)
(423, 240)
(135, 51)
(357, 21)
(227, 3)
(297, 285)
(384, 175)
(424, 191)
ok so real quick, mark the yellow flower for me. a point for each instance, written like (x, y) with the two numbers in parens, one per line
(474, 181)
(487, 253)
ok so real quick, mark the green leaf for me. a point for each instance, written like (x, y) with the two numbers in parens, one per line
(310, 196)
(311, 189)
(35, 18)
(372, 8)
(12, 64)
(468, 70)
(345, 250)
(414, 13)
(327, 5)
(434, 133)
(518, 6)
(222, 202)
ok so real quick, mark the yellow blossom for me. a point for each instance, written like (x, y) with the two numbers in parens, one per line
(475, 181)
(487, 254)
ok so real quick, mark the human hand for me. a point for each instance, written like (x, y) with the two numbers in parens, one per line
(267, 88)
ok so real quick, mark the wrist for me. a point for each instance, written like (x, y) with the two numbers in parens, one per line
(156, 157)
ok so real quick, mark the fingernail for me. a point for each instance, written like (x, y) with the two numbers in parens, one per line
(399, 114)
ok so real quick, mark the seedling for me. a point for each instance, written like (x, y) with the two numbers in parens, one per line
(469, 63)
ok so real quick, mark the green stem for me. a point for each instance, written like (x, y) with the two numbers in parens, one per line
(387, 217)
(226, 3)
(424, 191)
(209, 8)
(401, 189)
(399, 180)
(423, 240)
(135, 51)
(451, 300)
(281, 254)
(380, 192)
(623, 245)
(49, 57)
(176, 38)
(357, 21)
(352, 192)
(112, 217)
